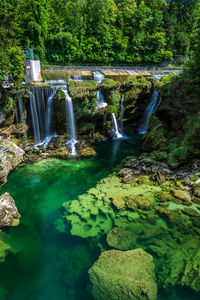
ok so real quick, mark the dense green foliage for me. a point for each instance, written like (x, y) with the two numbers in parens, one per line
(11, 57)
(119, 32)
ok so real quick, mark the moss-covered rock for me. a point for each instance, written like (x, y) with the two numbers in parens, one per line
(176, 128)
(123, 275)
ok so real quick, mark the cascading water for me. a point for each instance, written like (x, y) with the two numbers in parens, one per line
(101, 100)
(41, 100)
(158, 76)
(98, 76)
(56, 82)
(159, 100)
(122, 115)
(116, 134)
(34, 114)
(71, 126)
(49, 134)
(151, 108)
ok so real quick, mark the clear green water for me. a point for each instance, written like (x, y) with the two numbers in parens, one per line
(47, 264)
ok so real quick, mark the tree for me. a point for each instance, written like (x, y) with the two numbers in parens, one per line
(11, 55)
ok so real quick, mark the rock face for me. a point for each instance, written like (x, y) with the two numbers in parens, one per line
(10, 156)
(174, 135)
(9, 215)
(127, 275)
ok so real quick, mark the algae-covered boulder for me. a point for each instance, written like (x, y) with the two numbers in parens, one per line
(10, 156)
(9, 215)
(182, 197)
(127, 275)
(124, 238)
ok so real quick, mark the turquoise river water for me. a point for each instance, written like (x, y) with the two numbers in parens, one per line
(46, 264)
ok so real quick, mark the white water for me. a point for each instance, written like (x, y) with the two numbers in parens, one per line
(158, 76)
(56, 82)
(48, 118)
(34, 114)
(122, 115)
(101, 100)
(116, 135)
(71, 126)
(98, 76)
(35, 66)
(41, 104)
(151, 108)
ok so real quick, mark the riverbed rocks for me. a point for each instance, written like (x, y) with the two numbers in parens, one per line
(10, 157)
(9, 215)
(182, 196)
(127, 275)
(158, 170)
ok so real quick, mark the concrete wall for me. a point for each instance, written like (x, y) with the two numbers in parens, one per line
(32, 71)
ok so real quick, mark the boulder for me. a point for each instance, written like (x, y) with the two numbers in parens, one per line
(119, 203)
(9, 215)
(10, 157)
(127, 275)
(143, 203)
(120, 238)
(182, 196)
(126, 174)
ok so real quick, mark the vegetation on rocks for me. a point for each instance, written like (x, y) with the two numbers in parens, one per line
(133, 269)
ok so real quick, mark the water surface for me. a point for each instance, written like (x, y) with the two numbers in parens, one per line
(47, 264)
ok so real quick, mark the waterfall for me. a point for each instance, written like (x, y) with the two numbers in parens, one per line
(122, 115)
(151, 108)
(158, 76)
(159, 100)
(56, 82)
(71, 127)
(21, 111)
(41, 103)
(34, 115)
(35, 66)
(116, 135)
(98, 76)
(101, 100)
(49, 115)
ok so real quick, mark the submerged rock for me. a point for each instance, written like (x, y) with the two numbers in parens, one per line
(9, 215)
(127, 275)
(183, 197)
(120, 238)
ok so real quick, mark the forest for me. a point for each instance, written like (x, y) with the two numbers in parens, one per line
(114, 32)
(99, 149)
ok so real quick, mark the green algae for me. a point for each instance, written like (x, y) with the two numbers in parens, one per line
(44, 263)
(156, 223)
